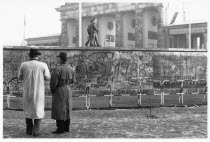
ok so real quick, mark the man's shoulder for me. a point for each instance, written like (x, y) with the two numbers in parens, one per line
(64, 67)
(69, 67)
(58, 68)
(25, 63)
(42, 63)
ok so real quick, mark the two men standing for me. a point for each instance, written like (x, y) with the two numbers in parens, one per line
(93, 34)
(34, 73)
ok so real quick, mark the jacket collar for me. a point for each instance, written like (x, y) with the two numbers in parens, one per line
(34, 59)
(63, 63)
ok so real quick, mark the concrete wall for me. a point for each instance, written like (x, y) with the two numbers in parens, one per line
(102, 65)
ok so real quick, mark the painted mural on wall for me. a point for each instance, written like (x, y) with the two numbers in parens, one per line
(120, 71)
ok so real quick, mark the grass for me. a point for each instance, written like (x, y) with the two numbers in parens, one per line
(169, 122)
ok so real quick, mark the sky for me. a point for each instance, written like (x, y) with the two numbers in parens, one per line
(42, 19)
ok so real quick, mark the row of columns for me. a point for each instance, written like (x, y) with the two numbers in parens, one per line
(139, 29)
(204, 41)
(187, 46)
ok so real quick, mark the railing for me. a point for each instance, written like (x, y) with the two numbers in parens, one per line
(182, 84)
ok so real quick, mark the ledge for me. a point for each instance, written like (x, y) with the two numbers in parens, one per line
(103, 49)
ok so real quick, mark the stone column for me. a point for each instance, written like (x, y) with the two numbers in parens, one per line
(162, 39)
(205, 40)
(64, 35)
(187, 41)
(77, 33)
(170, 44)
(139, 29)
(119, 31)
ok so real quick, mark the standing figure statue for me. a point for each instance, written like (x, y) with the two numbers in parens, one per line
(93, 34)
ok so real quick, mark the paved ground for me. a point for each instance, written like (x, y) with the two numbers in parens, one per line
(167, 122)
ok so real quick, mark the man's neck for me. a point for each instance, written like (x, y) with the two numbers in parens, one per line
(35, 58)
(63, 62)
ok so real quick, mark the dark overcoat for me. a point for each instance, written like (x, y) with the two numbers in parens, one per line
(61, 79)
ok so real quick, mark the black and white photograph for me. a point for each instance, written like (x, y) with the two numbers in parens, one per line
(113, 70)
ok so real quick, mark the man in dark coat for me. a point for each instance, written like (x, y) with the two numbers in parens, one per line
(94, 34)
(89, 31)
(60, 85)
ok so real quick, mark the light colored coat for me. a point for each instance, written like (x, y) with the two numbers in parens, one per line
(33, 73)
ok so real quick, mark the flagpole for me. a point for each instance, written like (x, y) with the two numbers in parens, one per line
(24, 32)
(189, 29)
(24, 26)
(183, 12)
(166, 13)
(80, 24)
(23, 40)
(165, 22)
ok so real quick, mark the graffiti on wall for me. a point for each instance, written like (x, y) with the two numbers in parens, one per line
(122, 70)
(180, 66)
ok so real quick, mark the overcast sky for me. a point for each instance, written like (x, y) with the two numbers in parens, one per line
(42, 19)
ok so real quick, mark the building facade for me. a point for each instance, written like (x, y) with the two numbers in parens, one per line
(177, 36)
(120, 24)
(53, 40)
(125, 25)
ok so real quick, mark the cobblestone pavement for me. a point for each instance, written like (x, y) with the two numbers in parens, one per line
(167, 122)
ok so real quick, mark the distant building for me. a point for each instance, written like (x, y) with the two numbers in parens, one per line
(52, 40)
(120, 24)
(178, 36)
(129, 25)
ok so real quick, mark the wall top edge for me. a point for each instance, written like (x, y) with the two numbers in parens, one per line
(100, 49)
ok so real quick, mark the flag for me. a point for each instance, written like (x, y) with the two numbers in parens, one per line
(174, 18)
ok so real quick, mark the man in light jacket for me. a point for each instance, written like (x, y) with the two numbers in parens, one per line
(33, 73)
(60, 85)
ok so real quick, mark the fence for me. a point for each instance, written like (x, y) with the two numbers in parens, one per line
(112, 72)
(139, 92)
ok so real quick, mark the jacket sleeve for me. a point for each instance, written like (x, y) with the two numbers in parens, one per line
(20, 72)
(54, 80)
(94, 27)
(73, 78)
(46, 73)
